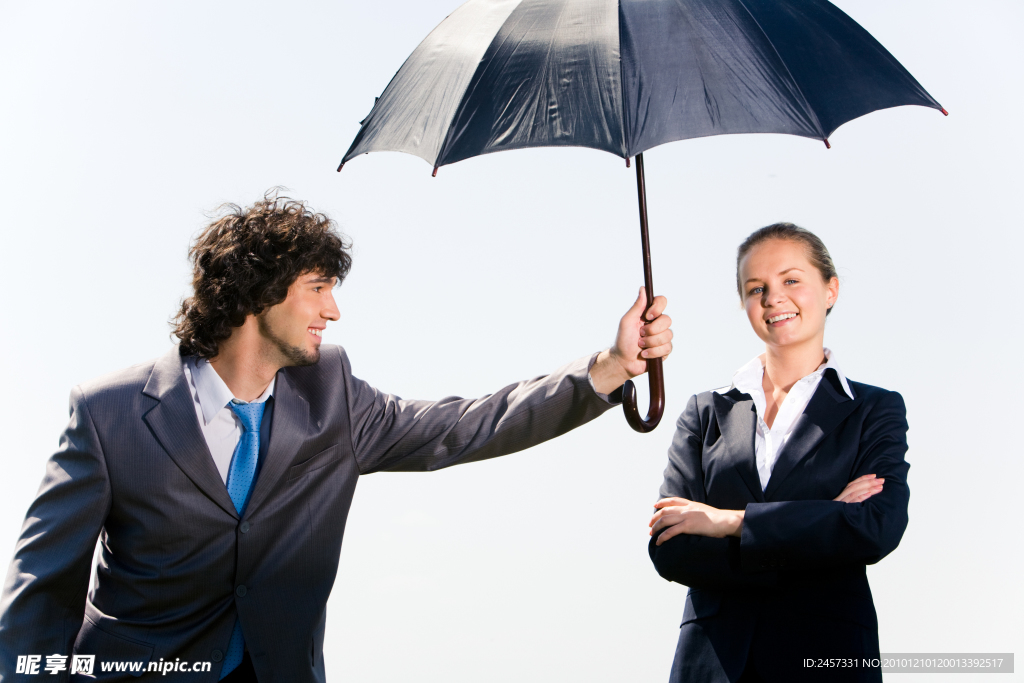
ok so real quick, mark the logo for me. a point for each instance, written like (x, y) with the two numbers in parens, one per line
(80, 664)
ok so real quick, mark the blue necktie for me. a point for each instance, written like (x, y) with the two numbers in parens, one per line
(240, 476)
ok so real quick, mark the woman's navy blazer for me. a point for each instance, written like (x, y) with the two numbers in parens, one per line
(793, 586)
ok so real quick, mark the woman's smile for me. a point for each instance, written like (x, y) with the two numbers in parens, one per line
(781, 319)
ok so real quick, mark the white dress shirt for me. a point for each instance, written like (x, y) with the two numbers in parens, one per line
(769, 442)
(221, 427)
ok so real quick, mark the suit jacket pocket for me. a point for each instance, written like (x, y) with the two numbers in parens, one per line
(321, 459)
(93, 640)
(700, 604)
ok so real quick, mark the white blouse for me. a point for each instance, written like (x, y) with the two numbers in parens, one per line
(769, 442)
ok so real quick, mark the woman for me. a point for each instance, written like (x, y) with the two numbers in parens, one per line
(780, 490)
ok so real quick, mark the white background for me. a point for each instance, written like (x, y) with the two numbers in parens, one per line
(123, 123)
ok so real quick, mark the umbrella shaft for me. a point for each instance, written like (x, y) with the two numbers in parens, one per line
(641, 190)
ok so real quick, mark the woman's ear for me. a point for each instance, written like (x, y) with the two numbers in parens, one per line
(833, 292)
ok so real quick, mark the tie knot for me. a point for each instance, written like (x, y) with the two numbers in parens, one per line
(251, 414)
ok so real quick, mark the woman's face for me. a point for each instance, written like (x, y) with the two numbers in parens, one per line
(784, 294)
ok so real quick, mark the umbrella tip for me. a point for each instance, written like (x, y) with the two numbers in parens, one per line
(944, 112)
(827, 145)
(341, 166)
(434, 174)
(627, 162)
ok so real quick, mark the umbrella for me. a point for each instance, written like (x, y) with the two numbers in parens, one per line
(624, 76)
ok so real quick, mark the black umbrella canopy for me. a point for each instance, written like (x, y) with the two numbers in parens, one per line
(624, 76)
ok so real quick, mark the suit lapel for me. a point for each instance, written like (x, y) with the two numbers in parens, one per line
(174, 423)
(737, 420)
(287, 433)
(828, 407)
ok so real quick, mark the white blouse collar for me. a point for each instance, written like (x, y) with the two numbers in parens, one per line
(748, 379)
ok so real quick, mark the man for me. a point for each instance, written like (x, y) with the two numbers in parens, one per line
(218, 478)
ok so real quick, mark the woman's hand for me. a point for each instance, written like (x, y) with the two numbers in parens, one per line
(682, 516)
(860, 489)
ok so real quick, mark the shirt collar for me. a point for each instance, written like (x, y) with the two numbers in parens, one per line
(749, 377)
(213, 392)
(831, 363)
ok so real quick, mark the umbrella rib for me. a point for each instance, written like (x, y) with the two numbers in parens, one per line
(547, 66)
(622, 93)
(443, 149)
(698, 62)
(817, 122)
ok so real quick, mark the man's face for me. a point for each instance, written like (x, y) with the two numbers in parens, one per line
(293, 327)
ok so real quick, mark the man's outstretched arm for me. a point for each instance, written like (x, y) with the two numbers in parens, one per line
(389, 433)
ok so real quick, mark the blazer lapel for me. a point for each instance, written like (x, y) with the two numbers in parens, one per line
(174, 423)
(287, 433)
(738, 420)
(827, 408)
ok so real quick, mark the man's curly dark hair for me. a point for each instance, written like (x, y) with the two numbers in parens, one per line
(244, 262)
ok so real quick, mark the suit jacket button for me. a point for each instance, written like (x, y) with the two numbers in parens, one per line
(216, 655)
(244, 528)
(241, 591)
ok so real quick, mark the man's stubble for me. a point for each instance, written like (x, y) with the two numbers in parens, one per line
(294, 355)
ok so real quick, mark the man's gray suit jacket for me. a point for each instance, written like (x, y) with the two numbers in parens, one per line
(177, 565)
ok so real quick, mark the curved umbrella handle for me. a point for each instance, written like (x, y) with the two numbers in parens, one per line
(654, 374)
(654, 412)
